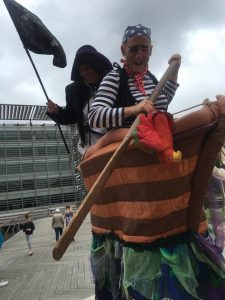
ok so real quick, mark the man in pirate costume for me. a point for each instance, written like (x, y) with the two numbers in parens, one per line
(123, 92)
(153, 255)
(89, 67)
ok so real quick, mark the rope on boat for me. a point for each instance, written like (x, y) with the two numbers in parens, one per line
(205, 102)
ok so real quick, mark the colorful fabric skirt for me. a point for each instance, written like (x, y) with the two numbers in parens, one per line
(187, 268)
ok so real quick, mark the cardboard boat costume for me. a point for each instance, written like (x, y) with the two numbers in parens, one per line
(149, 221)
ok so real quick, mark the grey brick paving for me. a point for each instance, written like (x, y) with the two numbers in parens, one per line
(40, 277)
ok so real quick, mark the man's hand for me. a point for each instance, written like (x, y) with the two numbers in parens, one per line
(52, 108)
(176, 57)
(145, 106)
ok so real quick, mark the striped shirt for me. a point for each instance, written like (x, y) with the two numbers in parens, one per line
(103, 113)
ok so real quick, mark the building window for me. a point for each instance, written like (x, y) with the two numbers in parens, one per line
(11, 135)
(35, 169)
(25, 135)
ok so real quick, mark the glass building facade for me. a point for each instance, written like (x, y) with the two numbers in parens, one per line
(35, 168)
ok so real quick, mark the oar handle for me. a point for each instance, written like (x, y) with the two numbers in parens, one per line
(92, 196)
(173, 66)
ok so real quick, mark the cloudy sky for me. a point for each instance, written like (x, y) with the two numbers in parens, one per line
(194, 28)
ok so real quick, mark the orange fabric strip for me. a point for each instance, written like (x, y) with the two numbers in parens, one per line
(141, 210)
(144, 239)
(142, 174)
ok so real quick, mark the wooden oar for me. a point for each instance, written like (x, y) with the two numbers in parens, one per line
(92, 196)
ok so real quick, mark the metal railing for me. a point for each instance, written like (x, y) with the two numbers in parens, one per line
(11, 224)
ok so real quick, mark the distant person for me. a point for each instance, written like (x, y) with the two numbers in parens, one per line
(68, 214)
(89, 68)
(28, 228)
(2, 282)
(58, 223)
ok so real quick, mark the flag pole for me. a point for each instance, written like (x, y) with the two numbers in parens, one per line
(36, 71)
(46, 95)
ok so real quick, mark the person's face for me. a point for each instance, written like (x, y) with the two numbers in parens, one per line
(137, 51)
(89, 74)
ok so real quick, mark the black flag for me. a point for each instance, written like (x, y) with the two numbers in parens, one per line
(34, 35)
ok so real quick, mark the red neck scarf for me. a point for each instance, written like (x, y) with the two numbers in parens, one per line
(138, 77)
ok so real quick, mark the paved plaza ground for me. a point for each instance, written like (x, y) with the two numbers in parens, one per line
(40, 277)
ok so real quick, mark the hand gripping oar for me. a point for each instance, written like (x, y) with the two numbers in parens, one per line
(92, 196)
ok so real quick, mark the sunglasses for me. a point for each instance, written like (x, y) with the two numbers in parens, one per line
(134, 49)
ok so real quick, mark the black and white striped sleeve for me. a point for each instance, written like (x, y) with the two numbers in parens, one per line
(170, 90)
(103, 113)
